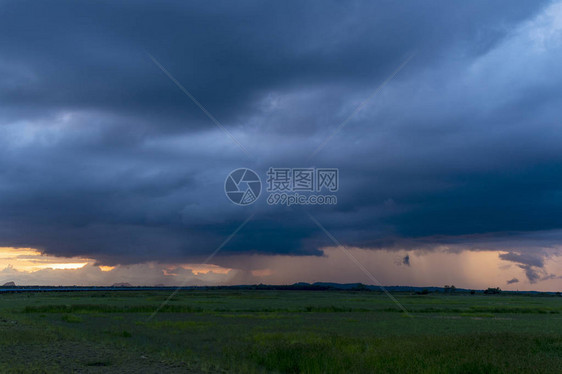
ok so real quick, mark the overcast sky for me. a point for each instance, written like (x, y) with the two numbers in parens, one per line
(103, 157)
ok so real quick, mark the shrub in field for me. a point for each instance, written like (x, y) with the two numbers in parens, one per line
(449, 289)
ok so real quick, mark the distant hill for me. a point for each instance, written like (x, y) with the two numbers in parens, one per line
(124, 284)
(300, 286)
(360, 286)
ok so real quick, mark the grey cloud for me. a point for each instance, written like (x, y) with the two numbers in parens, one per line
(532, 274)
(101, 155)
(551, 276)
(532, 264)
(523, 258)
(406, 260)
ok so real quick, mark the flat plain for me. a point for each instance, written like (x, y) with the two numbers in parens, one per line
(272, 331)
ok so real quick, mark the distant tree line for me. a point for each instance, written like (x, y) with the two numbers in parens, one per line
(449, 289)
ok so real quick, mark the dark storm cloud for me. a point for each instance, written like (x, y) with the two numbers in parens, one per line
(532, 274)
(406, 260)
(512, 281)
(91, 54)
(525, 259)
(531, 263)
(102, 155)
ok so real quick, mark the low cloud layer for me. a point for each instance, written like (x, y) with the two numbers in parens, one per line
(464, 268)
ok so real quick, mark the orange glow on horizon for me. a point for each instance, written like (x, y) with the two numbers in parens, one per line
(67, 266)
(262, 272)
(461, 267)
(197, 269)
(31, 260)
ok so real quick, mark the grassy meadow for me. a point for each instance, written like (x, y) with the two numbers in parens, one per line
(267, 331)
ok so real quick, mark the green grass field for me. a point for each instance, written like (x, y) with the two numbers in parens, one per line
(279, 331)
